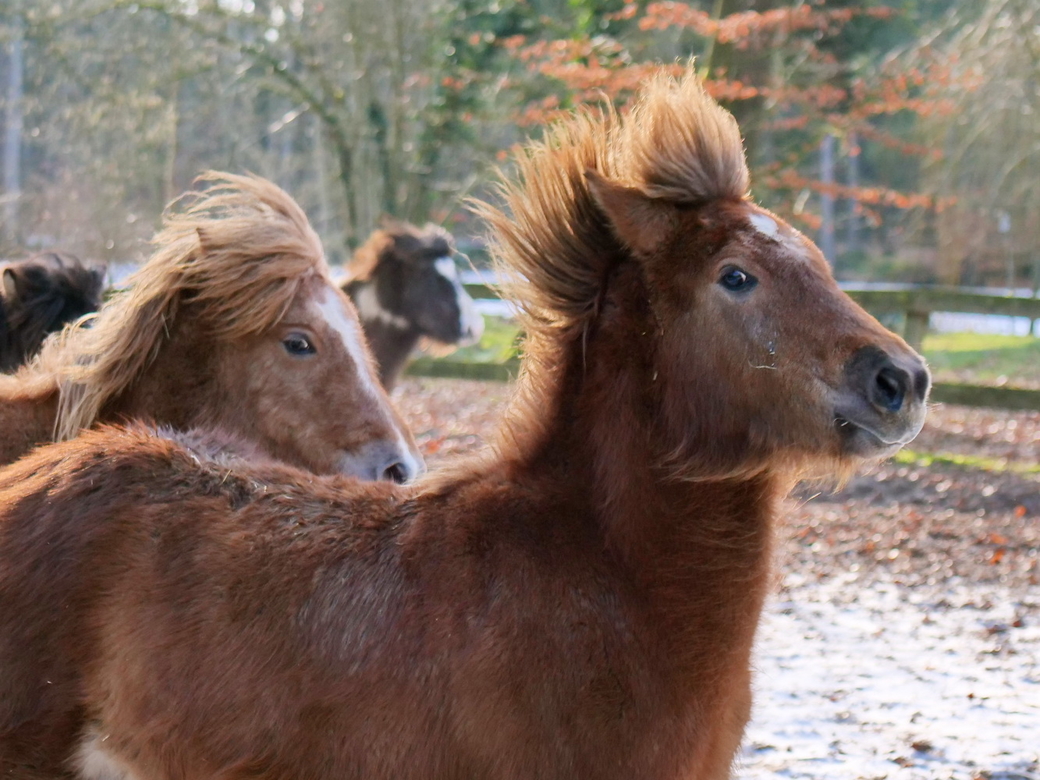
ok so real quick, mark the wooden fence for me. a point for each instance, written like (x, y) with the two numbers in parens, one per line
(914, 303)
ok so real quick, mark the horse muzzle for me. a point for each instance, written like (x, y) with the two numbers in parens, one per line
(881, 406)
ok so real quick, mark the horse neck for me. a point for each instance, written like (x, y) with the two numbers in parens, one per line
(177, 388)
(699, 550)
(28, 410)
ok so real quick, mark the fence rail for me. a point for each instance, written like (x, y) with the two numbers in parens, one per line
(916, 304)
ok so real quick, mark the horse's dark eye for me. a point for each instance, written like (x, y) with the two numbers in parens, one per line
(298, 344)
(737, 280)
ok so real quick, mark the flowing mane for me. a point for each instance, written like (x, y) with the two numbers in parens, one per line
(237, 251)
(554, 246)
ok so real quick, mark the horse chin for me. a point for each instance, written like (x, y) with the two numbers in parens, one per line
(860, 441)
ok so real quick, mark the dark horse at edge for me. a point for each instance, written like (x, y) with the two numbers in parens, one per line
(41, 294)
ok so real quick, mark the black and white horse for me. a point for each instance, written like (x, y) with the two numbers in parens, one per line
(406, 287)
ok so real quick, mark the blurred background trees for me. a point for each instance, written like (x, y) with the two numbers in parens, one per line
(900, 135)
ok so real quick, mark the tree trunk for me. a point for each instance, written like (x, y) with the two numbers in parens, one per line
(13, 133)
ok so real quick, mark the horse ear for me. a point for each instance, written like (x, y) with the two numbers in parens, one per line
(10, 284)
(641, 222)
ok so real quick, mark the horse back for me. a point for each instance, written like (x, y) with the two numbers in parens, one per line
(116, 611)
(166, 599)
(68, 541)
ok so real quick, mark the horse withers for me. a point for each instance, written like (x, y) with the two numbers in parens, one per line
(579, 602)
(233, 322)
(40, 295)
(407, 288)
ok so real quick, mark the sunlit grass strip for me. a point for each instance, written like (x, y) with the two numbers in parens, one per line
(911, 457)
(1012, 398)
(451, 369)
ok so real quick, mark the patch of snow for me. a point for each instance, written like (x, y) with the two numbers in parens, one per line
(881, 680)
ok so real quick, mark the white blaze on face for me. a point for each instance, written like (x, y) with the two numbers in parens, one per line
(789, 238)
(371, 310)
(765, 225)
(471, 324)
(334, 311)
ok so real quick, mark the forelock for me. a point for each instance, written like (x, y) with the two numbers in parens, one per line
(237, 251)
(553, 244)
(679, 145)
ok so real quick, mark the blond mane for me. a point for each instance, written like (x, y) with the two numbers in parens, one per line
(552, 245)
(237, 251)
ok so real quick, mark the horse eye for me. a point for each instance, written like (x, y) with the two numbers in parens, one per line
(298, 344)
(736, 280)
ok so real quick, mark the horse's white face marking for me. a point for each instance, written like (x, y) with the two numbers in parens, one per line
(789, 238)
(446, 267)
(93, 762)
(765, 225)
(471, 324)
(335, 313)
(371, 310)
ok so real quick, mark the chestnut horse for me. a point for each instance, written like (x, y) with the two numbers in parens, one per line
(233, 322)
(578, 603)
(42, 294)
(406, 287)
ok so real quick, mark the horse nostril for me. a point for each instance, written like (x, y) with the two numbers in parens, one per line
(922, 381)
(889, 388)
(395, 472)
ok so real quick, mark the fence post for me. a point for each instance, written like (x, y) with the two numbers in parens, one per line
(916, 327)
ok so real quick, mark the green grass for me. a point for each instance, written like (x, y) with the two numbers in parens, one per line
(497, 345)
(984, 358)
(981, 463)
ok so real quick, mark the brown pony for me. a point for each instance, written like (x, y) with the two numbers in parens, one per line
(406, 287)
(233, 322)
(579, 604)
(42, 294)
